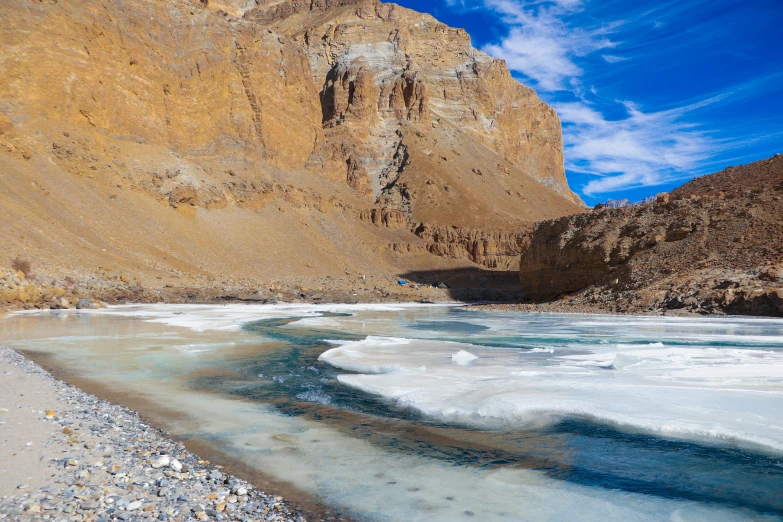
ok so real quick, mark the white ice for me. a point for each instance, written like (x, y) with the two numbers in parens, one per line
(665, 387)
(202, 318)
(701, 392)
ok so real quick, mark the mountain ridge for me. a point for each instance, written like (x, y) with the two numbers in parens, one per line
(711, 246)
(178, 141)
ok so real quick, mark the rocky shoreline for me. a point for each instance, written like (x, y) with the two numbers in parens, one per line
(42, 291)
(91, 460)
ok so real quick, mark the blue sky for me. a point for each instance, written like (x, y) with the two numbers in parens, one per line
(650, 93)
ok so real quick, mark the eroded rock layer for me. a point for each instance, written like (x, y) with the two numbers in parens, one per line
(713, 245)
(217, 138)
(379, 64)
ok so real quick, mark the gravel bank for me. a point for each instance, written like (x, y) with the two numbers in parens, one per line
(66, 455)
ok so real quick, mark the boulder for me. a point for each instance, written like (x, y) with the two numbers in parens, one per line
(85, 303)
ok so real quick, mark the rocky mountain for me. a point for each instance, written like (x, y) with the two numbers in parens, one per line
(714, 245)
(192, 140)
(618, 203)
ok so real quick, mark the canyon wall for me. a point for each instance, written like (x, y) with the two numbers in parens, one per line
(713, 245)
(229, 131)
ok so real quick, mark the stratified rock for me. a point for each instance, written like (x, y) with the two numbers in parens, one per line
(382, 66)
(156, 122)
(713, 245)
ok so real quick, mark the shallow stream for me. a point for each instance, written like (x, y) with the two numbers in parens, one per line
(395, 412)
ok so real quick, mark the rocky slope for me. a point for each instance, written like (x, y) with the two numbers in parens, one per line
(714, 245)
(263, 140)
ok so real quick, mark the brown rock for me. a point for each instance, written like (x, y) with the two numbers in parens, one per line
(678, 247)
(230, 110)
(6, 125)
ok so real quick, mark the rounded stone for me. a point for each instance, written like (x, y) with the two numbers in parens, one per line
(163, 460)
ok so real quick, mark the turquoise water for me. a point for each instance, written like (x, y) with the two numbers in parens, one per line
(439, 413)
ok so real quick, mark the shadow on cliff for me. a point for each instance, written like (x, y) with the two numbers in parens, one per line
(472, 284)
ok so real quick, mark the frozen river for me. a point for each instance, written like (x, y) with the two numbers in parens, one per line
(408, 412)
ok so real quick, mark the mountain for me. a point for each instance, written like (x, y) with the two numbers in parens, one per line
(618, 203)
(714, 245)
(197, 144)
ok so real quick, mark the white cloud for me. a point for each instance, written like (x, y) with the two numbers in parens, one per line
(541, 45)
(640, 150)
(609, 58)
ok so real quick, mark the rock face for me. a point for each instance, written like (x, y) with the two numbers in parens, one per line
(175, 74)
(231, 130)
(715, 244)
(379, 65)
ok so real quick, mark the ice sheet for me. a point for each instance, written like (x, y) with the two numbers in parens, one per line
(650, 384)
(702, 392)
(202, 318)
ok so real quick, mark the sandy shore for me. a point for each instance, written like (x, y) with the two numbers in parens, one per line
(66, 455)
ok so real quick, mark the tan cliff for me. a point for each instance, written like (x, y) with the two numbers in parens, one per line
(379, 65)
(193, 140)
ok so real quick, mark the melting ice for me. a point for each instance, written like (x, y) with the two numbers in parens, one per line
(443, 414)
(697, 383)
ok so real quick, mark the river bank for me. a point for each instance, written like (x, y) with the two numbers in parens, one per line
(69, 456)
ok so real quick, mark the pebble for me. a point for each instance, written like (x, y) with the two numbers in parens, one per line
(162, 461)
(128, 471)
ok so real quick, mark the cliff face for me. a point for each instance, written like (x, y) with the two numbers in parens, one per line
(161, 73)
(290, 120)
(713, 245)
(378, 65)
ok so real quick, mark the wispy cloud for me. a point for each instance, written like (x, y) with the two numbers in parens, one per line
(612, 58)
(541, 45)
(549, 43)
(649, 149)
(641, 149)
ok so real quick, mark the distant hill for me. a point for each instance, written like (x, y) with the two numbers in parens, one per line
(714, 245)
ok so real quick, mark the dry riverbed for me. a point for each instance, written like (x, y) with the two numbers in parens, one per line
(66, 455)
